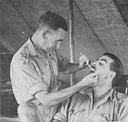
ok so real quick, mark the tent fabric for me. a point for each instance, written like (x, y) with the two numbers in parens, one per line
(19, 19)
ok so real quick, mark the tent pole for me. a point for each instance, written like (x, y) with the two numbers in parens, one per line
(71, 40)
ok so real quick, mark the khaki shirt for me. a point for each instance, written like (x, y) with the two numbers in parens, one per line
(32, 72)
(112, 107)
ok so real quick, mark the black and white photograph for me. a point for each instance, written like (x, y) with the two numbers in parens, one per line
(63, 60)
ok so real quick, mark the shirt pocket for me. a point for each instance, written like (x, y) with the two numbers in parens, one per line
(75, 111)
(76, 115)
(101, 117)
(106, 116)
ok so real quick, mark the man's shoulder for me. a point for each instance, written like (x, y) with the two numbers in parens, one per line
(122, 101)
(122, 97)
(22, 55)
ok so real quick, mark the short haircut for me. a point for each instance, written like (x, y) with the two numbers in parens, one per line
(115, 66)
(52, 20)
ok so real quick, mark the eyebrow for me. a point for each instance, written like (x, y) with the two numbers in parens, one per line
(101, 60)
(104, 60)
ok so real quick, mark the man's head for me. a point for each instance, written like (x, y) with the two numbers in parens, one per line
(51, 31)
(53, 21)
(116, 66)
(108, 66)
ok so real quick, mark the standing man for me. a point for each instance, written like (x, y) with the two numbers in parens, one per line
(35, 68)
(103, 104)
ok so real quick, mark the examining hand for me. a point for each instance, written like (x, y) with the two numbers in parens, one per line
(83, 61)
(89, 80)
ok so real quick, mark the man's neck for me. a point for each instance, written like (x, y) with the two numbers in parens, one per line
(100, 92)
(35, 45)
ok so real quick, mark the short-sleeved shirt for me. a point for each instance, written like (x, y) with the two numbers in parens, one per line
(32, 71)
(112, 107)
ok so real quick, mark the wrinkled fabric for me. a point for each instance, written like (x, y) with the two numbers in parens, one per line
(32, 72)
(112, 107)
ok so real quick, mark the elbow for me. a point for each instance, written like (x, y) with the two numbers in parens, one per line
(45, 99)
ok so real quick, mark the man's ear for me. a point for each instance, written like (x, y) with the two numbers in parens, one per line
(45, 32)
(113, 74)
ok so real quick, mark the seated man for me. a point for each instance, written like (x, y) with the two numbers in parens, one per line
(103, 103)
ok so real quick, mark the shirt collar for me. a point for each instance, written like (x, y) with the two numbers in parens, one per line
(33, 51)
(112, 94)
(88, 92)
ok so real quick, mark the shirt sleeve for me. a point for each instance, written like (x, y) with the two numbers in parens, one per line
(62, 62)
(26, 76)
(61, 115)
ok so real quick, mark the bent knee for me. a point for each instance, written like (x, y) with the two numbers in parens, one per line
(26, 108)
(28, 112)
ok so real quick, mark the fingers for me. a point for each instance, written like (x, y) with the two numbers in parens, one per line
(89, 80)
(83, 60)
(93, 78)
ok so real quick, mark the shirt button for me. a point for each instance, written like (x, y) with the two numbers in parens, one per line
(50, 54)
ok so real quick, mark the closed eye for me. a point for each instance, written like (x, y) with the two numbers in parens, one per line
(100, 63)
(60, 40)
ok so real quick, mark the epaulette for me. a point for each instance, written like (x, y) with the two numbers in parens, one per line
(121, 97)
(25, 55)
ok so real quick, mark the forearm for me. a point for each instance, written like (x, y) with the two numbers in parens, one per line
(71, 68)
(54, 98)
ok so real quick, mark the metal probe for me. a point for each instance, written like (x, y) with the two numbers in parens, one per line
(88, 63)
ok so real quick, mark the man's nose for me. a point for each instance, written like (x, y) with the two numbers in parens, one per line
(94, 63)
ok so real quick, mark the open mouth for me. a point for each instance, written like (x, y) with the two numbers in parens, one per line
(92, 69)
